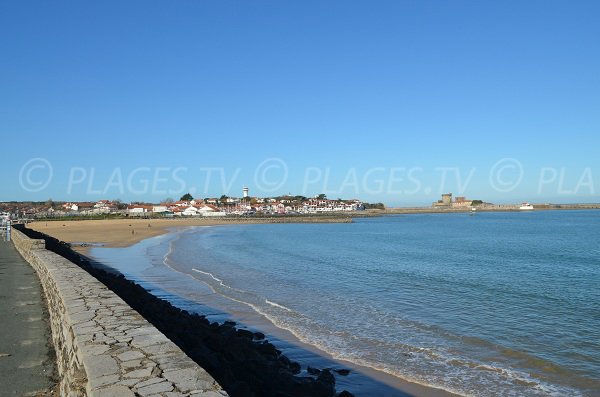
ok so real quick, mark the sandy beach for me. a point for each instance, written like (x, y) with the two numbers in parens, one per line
(125, 232)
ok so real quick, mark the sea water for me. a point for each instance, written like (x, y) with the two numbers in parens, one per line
(495, 304)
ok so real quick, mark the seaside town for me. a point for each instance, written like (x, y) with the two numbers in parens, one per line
(188, 206)
(228, 206)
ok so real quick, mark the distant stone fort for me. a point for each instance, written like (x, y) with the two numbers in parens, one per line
(446, 202)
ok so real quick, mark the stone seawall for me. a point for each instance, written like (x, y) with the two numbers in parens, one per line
(104, 348)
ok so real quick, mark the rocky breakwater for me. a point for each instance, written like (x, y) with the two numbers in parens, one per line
(241, 361)
(103, 347)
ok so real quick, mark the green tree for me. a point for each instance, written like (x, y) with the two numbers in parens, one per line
(186, 197)
(119, 204)
(374, 206)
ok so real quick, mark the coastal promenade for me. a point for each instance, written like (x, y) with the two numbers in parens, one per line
(103, 347)
(27, 365)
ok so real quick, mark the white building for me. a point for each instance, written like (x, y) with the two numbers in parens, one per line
(139, 209)
(190, 211)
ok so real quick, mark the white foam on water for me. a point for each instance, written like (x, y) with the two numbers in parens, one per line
(212, 276)
(484, 379)
(278, 305)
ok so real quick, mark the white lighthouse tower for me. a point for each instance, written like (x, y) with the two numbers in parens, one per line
(245, 192)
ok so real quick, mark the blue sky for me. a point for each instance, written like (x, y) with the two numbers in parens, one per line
(377, 100)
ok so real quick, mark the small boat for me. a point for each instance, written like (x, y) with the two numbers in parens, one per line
(526, 207)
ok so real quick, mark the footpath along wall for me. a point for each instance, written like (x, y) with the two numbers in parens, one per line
(104, 348)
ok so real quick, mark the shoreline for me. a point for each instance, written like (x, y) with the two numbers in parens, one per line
(242, 362)
(283, 336)
(121, 232)
(297, 349)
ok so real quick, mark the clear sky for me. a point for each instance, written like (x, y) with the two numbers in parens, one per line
(384, 101)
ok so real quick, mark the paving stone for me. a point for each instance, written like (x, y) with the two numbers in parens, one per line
(155, 389)
(101, 338)
(147, 340)
(124, 339)
(142, 331)
(114, 391)
(100, 366)
(174, 362)
(99, 381)
(130, 355)
(131, 364)
(83, 317)
(88, 327)
(148, 382)
(161, 348)
(128, 382)
(95, 349)
(208, 393)
(190, 379)
(76, 307)
(140, 373)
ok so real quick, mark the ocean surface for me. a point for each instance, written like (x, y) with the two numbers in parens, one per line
(495, 304)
